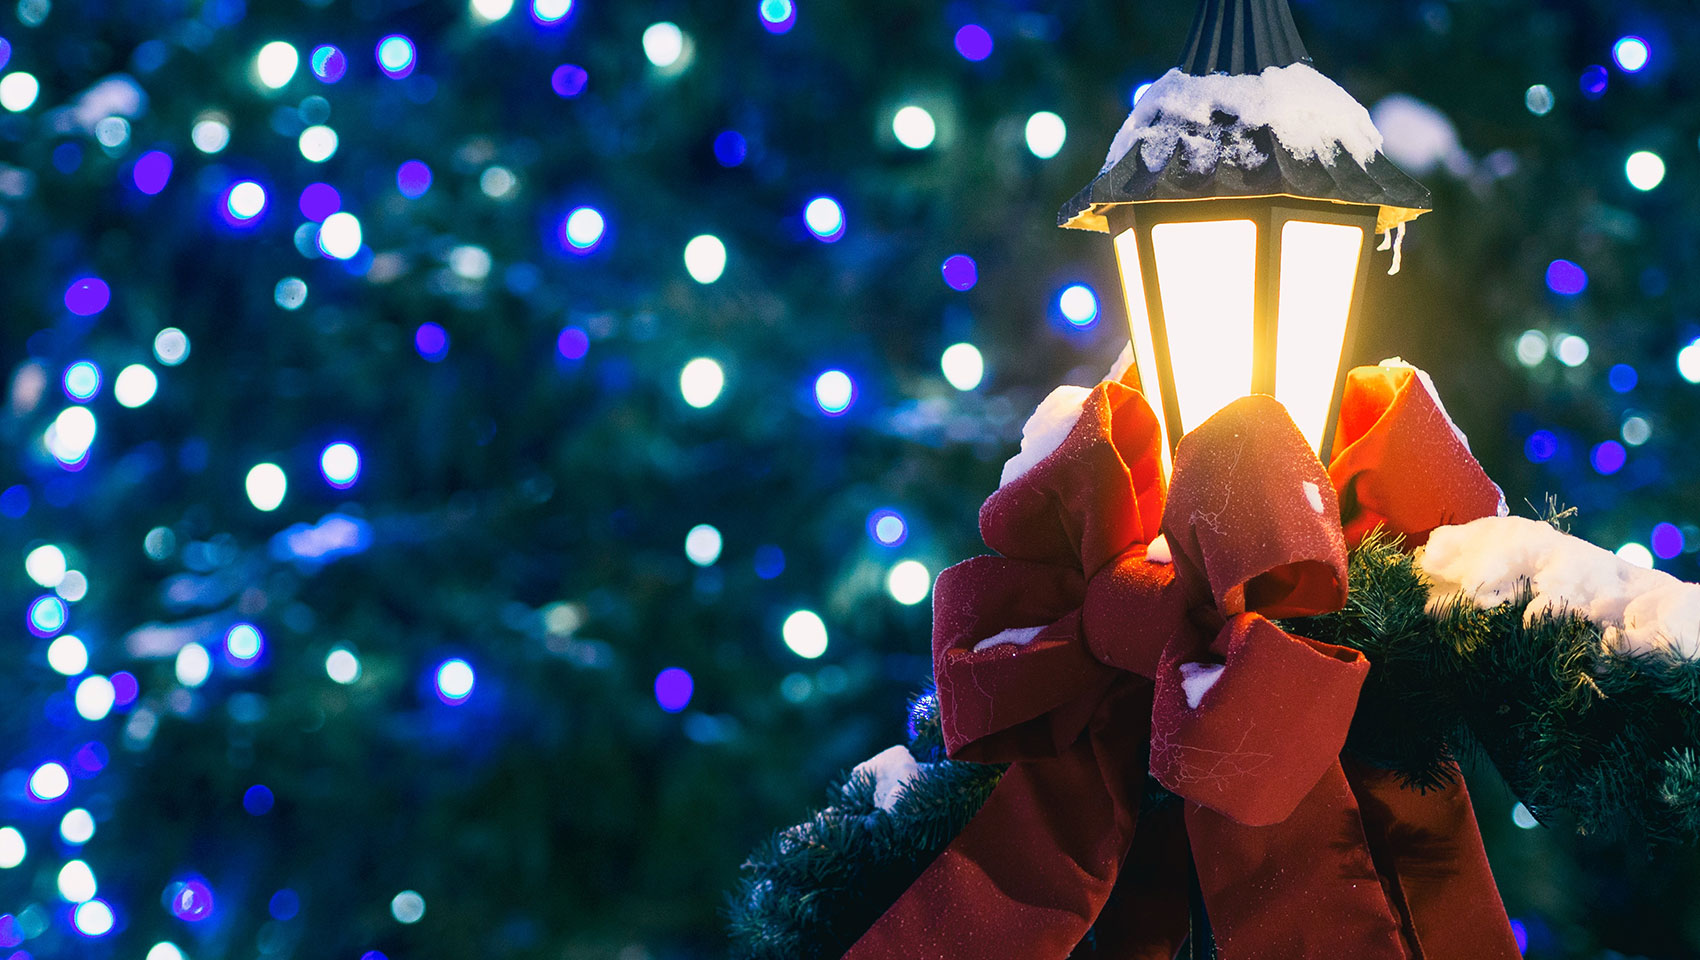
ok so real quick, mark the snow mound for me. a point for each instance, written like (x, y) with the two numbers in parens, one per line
(892, 769)
(1311, 115)
(1054, 419)
(1197, 679)
(1019, 636)
(1491, 560)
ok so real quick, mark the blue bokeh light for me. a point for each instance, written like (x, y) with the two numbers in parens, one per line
(152, 171)
(569, 80)
(318, 201)
(396, 56)
(1566, 278)
(573, 343)
(582, 230)
(284, 905)
(1594, 81)
(47, 615)
(454, 681)
(15, 502)
(777, 16)
(1667, 541)
(82, 381)
(1631, 54)
(825, 219)
(769, 561)
(730, 148)
(1078, 304)
(1541, 446)
(673, 689)
(887, 527)
(974, 42)
(835, 391)
(413, 178)
(961, 272)
(432, 341)
(1520, 933)
(328, 63)
(244, 203)
(1623, 378)
(1608, 457)
(258, 800)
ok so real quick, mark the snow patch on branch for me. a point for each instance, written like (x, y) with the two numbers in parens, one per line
(1490, 561)
(892, 769)
(1311, 115)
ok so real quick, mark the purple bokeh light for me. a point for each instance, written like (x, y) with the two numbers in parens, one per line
(569, 80)
(1667, 541)
(777, 16)
(1541, 446)
(973, 42)
(152, 171)
(961, 272)
(573, 343)
(319, 200)
(87, 296)
(125, 688)
(191, 901)
(328, 63)
(1609, 457)
(673, 689)
(1566, 278)
(413, 178)
(432, 341)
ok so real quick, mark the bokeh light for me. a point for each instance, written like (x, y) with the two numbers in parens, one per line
(1608, 457)
(834, 392)
(973, 42)
(805, 634)
(47, 616)
(1622, 378)
(454, 681)
(74, 587)
(408, 907)
(211, 134)
(1079, 305)
(887, 528)
(165, 950)
(573, 343)
(673, 689)
(339, 463)
(730, 148)
(339, 236)
(71, 435)
(244, 202)
(396, 56)
(1631, 54)
(266, 485)
(1594, 81)
(171, 346)
(290, 293)
(258, 800)
(914, 127)
(489, 11)
(67, 655)
(317, 143)
(1636, 430)
(413, 178)
(703, 544)
(76, 827)
(1538, 99)
(569, 80)
(46, 565)
(769, 561)
(705, 258)
(328, 63)
(1566, 278)
(701, 382)
(961, 272)
(87, 296)
(342, 666)
(909, 582)
(13, 849)
(152, 171)
(243, 644)
(550, 11)
(431, 341)
(18, 91)
(275, 64)
(93, 918)
(1541, 446)
(94, 698)
(582, 229)
(76, 882)
(664, 44)
(49, 782)
(1644, 169)
(191, 901)
(777, 16)
(963, 366)
(825, 219)
(1667, 541)
(1046, 134)
(193, 665)
(318, 201)
(82, 380)
(1636, 555)
(1571, 350)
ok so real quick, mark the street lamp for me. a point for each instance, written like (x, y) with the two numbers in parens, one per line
(1243, 193)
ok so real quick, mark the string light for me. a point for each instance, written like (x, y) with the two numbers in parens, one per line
(909, 582)
(266, 485)
(805, 634)
(705, 258)
(701, 382)
(342, 666)
(914, 127)
(703, 544)
(1046, 134)
(275, 64)
(963, 366)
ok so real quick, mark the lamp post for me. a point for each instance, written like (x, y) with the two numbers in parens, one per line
(1243, 195)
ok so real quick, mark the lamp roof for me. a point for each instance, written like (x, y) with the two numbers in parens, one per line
(1244, 115)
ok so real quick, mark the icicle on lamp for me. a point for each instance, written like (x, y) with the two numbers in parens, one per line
(1243, 193)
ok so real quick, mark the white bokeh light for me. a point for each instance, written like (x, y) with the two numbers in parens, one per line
(909, 582)
(1046, 134)
(276, 63)
(703, 544)
(318, 143)
(76, 882)
(701, 382)
(824, 217)
(455, 679)
(67, 655)
(135, 386)
(266, 486)
(93, 918)
(71, 434)
(664, 44)
(193, 665)
(46, 565)
(95, 698)
(74, 587)
(76, 827)
(340, 236)
(914, 127)
(489, 11)
(342, 666)
(49, 781)
(18, 91)
(705, 258)
(1645, 170)
(408, 907)
(1571, 350)
(13, 849)
(165, 950)
(1636, 554)
(210, 135)
(963, 366)
(1688, 362)
(247, 200)
(805, 633)
(171, 346)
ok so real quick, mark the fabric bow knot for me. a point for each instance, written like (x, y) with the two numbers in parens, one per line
(1084, 659)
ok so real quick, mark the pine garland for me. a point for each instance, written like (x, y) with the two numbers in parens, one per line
(1609, 739)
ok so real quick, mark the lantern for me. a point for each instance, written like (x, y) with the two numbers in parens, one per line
(1243, 195)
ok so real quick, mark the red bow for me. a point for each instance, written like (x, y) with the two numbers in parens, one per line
(1083, 664)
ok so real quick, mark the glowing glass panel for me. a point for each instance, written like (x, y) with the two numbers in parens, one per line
(1207, 273)
(1319, 268)
(1139, 323)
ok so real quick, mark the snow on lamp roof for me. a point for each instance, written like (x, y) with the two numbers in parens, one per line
(1245, 116)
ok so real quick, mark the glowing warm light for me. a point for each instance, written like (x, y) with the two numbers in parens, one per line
(318, 143)
(171, 346)
(77, 826)
(1078, 304)
(340, 464)
(664, 44)
(18, 91)
(1571, 350)
(1139, 326)
(339, 236)
(705, 258)
(13, 849)
(210, 135)
(825, 218)
(701, 382)
(909, 582)
(408, 907)
(76, 882)
(1645, 170)
(46, 565)
(1319, 268)
(1636, 554)
(703, 544)
(914, 127)
(455, 680)
(1205, 274)
(489, 11)
(266, 484)
(1046, 133)
(342, 666)
(834, 392)
(49, 782)
(94, 698)
(276, 63)
(805, 634)
(71, 434)
(963, 366)
(583, 229)
(193, 665)
(135, 386)
(67, 655)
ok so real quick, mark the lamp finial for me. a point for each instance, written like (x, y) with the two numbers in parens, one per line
(1242, 36)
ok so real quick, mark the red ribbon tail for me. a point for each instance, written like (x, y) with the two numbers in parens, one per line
(1429, 852)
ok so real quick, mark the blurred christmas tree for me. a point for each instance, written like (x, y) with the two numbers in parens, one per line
(472, 471)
